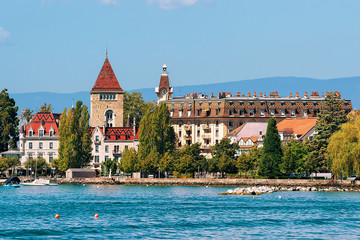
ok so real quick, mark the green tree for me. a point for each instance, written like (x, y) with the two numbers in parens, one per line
(272, 153)
(223, 155)
(294, 157)
(40, 164)
(249, 162)
(74, 138)
(156, 137)
(129, 162)
(190, 160)
(167, 163)
(330, 119)
(26, 115)
(9, 133)
(344, 149)
(46, 108)
(109, 164)
(135, 106)
(150, 164)
(8, 162)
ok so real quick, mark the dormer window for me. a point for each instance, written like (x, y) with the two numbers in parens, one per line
(41, 133)
(30, 133)
(51, 133)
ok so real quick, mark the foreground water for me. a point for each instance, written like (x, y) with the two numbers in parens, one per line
(169, 212)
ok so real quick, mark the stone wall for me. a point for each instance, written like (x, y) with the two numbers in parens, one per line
(216, 182)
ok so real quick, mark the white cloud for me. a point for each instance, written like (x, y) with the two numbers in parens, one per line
(109, 2)
(171, 4)
(3, 35)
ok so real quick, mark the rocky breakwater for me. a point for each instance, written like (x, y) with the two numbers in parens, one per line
(265, 189)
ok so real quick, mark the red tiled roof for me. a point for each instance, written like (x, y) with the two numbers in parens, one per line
(47, 120)
(106, 81)
(119, 133)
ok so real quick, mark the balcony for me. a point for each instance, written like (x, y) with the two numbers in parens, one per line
(205, 127)
(97, 142)
(187, 137)
(187, 127)
(206, 136)
(116, 152)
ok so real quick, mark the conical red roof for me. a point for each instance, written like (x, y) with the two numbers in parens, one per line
(106, 81)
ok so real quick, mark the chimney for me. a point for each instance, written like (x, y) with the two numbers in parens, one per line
(254, 94)
(290, 95)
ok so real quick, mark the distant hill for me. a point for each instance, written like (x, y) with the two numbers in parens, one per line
(349, 88)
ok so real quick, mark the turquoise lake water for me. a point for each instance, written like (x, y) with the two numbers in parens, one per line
(173, 212)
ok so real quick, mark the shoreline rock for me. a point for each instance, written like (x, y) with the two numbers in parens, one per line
(265, 189)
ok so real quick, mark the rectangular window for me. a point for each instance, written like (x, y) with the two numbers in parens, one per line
(293, 113)
(198, 133)
(217, 133)
(30, 155)
(272, 112)
(106, 148)
(30, 145)
(41, 133)
(51, 145)
(262, 112)
(97, 148)
(30, 133)
(106, 158)
(97, 138)
(217, 111)
(251, 112)
(179, 133)
(199, 112)
(41, 155)
(97, 159)
(51, 133)
(40, 145)
(231, 124)
(51, 156)
(171, 112)
(189, 113)
(126, 147)
(282, 112)
(180, 113)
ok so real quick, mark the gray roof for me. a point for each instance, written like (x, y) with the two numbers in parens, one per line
(81, 170)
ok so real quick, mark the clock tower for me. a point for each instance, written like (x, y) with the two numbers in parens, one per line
(164, 91)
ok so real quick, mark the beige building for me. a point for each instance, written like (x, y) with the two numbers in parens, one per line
(40, 137)
(198, 118)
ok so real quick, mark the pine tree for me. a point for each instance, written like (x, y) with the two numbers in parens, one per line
(9, 134)
(272, 153)
(74, 138)
(330, 119)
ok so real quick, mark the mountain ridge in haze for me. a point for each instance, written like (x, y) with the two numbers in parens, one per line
(349, 88)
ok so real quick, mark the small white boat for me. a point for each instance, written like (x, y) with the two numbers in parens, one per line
(39, 182)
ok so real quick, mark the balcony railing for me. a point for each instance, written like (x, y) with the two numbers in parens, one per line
(205, 127)
(97, 142)
(187, 128)
(206, 136)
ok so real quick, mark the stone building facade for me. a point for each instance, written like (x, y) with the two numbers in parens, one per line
(109, 137)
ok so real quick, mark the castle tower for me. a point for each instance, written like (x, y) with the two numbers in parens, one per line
(164, 91)
(106, 99)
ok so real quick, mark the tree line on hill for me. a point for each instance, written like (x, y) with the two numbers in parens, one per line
(335, 147)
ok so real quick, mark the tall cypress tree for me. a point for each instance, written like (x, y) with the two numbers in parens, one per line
(75, 138)
(272, 152)
(156, 135)
(9, 134)
(331, 117)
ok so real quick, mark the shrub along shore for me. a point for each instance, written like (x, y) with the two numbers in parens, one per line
(216, 182)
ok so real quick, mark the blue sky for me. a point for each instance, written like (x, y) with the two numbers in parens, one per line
(59, 45)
